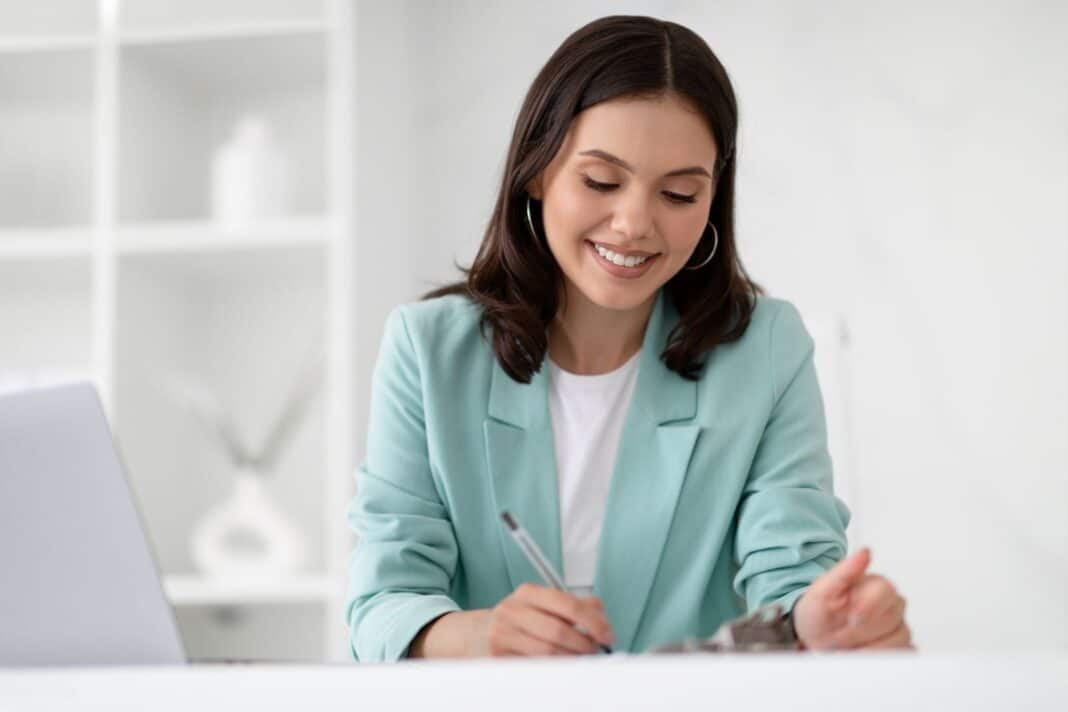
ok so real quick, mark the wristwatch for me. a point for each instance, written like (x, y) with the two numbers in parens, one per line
(766, 629)
(790, 631)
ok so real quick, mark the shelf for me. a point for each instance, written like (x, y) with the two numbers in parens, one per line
(148, 17)
(236, 30)
(180, 102)
(177, 236)
(113, 270)
(15, 380)
(45, 43)
(199, 273)
(45, 243)
(46, 121)
(196, 590)
(166, 237)
(289, 632)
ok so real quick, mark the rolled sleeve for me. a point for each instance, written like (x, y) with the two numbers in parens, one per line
(403, 563)
(791, 526)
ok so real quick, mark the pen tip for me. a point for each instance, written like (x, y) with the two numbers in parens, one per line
(509, 521)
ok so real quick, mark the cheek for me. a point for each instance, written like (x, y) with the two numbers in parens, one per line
(683, 232)
(573, 214)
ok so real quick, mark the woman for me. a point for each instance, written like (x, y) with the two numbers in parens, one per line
(609, 375)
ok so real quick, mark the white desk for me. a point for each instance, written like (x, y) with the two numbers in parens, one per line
(843, 681)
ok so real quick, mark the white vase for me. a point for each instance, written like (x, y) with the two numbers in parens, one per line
(249, 176)
(246, 536)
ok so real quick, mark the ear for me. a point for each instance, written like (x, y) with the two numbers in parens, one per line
(534, 188)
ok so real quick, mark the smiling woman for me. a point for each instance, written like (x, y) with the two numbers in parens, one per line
(608, 375)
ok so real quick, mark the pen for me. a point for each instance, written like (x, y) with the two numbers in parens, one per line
(538, 560)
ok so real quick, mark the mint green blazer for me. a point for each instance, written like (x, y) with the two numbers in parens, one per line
(721, 499)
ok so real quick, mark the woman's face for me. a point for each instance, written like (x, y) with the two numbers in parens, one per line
(633, 177)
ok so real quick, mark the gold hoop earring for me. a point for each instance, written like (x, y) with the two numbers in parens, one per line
(715, 246)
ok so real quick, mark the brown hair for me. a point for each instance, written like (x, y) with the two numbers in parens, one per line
(515, 278)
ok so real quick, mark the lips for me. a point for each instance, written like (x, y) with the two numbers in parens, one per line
(625, 253)
(619, 270)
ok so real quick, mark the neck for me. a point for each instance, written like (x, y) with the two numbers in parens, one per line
(588, 339)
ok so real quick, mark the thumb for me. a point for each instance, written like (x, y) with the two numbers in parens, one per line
(841, 578)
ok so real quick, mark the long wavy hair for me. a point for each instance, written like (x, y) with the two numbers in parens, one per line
(515, 278)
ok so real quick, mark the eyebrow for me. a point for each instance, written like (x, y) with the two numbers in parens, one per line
(606, 156)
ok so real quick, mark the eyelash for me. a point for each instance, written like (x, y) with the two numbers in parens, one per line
(605, 187)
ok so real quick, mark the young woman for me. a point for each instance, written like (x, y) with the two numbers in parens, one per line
(608, 374)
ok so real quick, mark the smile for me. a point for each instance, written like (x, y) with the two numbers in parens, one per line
(629, 267)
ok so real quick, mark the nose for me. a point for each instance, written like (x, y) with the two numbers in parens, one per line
(632, 216)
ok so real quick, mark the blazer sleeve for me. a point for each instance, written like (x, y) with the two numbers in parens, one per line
(791, 526)
(405, 556)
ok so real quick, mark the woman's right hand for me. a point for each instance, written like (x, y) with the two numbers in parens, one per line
(538, 620)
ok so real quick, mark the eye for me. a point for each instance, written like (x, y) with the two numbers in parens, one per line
(602, 187)
(677, 198)
(605, 187)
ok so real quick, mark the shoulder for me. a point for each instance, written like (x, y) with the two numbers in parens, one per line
(438, 314)
(774, 344)
(772, 313)
(778, 324)
(437, 326)
(772, 321)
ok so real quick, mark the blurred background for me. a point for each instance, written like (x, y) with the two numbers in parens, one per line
(208, 207)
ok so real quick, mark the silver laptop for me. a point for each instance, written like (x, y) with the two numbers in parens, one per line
(78, 581)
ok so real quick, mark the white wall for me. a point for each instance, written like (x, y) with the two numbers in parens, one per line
(904, 164)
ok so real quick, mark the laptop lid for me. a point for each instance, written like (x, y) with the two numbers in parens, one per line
(79, 583)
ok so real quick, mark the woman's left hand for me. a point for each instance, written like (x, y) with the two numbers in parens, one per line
(846, 608)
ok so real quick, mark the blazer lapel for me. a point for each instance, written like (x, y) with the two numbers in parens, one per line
(522, 465)
(654, 453)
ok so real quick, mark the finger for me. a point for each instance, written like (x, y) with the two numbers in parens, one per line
(871, 597)
(862, 634)
(516, 641)
(587, 613)
(894, 612)
(838, 580)
(837, 602)
(900, 637)
(883, 624)
(554, 631)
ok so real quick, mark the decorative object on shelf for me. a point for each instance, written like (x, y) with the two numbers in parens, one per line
(247, 536)
(250, 177)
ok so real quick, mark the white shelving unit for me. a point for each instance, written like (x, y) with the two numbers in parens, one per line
(111, 267)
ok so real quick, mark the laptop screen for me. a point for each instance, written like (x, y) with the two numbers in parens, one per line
(80, 582)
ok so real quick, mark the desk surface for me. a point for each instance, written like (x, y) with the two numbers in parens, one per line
(846, 681)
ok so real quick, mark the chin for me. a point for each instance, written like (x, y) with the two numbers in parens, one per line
(618, 299)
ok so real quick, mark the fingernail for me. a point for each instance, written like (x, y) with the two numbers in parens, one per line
(856, 619)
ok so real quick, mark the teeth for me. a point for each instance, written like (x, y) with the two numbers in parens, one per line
(619, 259)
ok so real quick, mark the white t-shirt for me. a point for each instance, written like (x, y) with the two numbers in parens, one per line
(587, 414)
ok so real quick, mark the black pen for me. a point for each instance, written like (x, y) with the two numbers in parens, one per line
(539, 562)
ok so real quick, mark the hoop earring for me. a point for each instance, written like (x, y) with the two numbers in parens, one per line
(715, 246)
(530, 221)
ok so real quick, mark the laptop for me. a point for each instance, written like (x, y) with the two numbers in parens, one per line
(80, 584)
